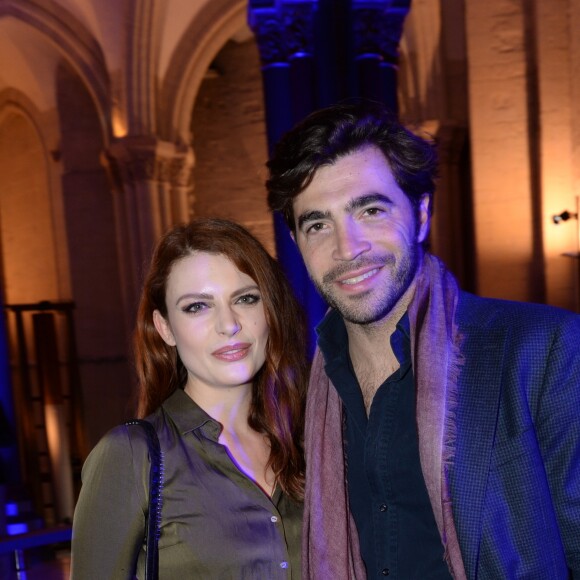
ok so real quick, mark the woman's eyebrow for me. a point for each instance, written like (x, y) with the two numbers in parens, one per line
(194, 296)
(249, 288)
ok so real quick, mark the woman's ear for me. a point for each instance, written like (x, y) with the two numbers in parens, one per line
(163, 328)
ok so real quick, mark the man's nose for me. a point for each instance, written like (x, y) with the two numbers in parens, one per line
(350, 243)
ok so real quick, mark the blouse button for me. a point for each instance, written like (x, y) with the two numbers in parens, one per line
(383, 507)
(273, 519)
(386, 572)
(284, 565)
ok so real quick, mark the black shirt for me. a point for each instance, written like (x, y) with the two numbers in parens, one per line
(387, 494)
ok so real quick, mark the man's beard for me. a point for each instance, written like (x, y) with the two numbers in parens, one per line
(373, 305)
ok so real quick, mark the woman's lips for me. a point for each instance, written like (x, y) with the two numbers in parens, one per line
(232, 352)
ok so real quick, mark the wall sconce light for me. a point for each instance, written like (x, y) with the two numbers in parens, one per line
(118, 120)
(575, 255)
(564, 216)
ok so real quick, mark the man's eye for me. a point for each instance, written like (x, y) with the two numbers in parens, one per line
(316, 227)
(374, 211)
(248, 299)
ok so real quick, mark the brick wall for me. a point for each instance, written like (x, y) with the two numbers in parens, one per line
(230, 142)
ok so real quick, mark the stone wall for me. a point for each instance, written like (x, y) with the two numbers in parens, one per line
(229, 141)
(520, 93)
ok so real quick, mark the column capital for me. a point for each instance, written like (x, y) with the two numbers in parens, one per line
(377, 27)
(152, 188)
(135, 159)
(284, 28)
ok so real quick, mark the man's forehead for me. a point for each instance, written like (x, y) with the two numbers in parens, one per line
(307, 201)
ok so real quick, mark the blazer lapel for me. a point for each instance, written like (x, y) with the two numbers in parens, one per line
(476, 420)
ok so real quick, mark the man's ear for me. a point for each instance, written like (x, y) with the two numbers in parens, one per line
(163, 328)
(424, 218)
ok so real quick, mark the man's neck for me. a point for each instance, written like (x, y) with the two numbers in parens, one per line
(364, 339)
(370, 348)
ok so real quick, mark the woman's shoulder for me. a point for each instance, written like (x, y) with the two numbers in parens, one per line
(120, 448)
(113, 449)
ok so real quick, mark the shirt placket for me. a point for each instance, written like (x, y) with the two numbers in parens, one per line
(379, 472)
(281, 557)
(284, 562)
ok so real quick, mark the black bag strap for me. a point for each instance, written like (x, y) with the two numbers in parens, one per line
(152, 530)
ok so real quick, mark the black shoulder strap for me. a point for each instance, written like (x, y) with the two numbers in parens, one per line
(155, 486)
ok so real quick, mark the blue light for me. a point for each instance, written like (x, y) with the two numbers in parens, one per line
(11, 509)
(14, 529)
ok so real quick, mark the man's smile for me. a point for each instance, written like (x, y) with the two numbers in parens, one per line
(360, 277)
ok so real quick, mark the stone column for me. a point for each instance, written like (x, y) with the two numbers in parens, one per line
(315, 53)
(498, 100)
(575, 99)
(284, 30)
(152, 188)
(554, 160)
(377, 27)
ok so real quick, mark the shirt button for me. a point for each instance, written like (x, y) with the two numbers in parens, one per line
(383, 507)
(386, 572)
(284, 565)
(273, 519)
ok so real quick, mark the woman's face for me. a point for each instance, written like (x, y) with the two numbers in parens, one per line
(215, 318)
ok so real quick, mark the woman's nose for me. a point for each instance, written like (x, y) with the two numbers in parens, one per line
(227, 323)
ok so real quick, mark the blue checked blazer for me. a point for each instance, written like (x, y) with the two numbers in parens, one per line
(515, 480)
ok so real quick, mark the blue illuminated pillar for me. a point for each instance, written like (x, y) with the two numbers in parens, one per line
(315, 53)
(377, 26)
(9, 462)
(284, 30)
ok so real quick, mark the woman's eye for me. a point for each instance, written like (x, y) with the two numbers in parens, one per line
(194, 307)
(248, 299)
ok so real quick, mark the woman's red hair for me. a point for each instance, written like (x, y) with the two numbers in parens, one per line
(279, 388)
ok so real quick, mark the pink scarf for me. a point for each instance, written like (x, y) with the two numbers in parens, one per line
(330, 547)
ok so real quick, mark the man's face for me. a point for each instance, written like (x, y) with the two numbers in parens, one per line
(359, 235)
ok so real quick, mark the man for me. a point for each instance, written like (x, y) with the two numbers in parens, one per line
(442, 429)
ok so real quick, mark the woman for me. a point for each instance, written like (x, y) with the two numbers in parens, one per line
(222, 372)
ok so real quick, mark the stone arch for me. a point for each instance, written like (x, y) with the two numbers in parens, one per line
(73, 41)
(13, 101)
(203, 39)
(28, 246)
(143, 49)
(18, 112)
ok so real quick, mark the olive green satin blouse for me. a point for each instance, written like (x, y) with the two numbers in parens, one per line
(215, 523)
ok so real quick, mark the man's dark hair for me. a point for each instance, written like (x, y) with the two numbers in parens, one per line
(331, 133)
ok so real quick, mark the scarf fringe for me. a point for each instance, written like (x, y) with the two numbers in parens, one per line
(330, 542)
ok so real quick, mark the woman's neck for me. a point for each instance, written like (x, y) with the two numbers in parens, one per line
(248, 449)
(229, 406)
